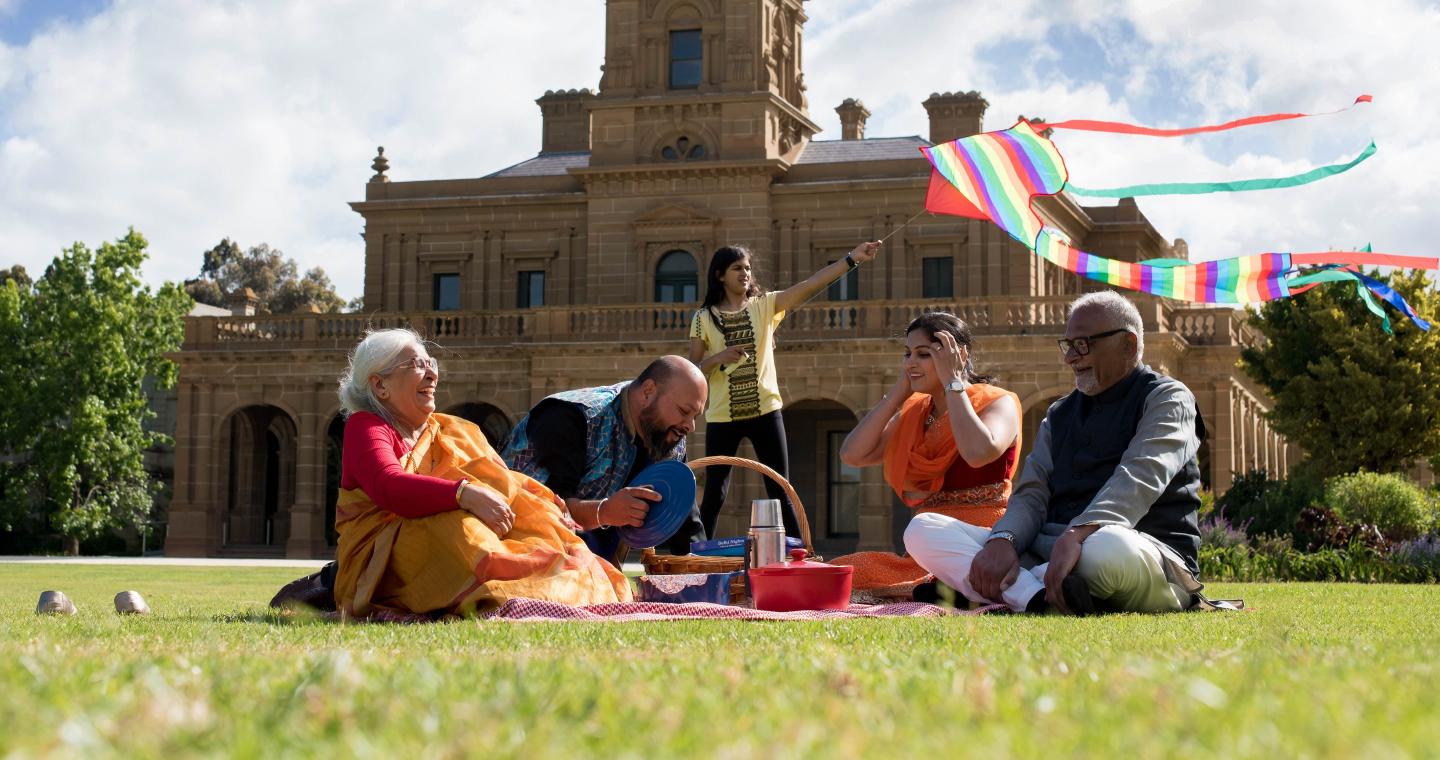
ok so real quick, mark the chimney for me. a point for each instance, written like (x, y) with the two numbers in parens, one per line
(954, 115)
(566, 116)
(853, 114)
(243, 303)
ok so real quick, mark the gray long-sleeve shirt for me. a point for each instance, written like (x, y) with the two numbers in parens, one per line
(1163, 443)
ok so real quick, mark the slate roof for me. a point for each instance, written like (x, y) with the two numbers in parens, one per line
(869, 149)
(548, 165)
(816, 152)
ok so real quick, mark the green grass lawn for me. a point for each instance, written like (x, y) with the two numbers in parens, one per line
(1313, 671)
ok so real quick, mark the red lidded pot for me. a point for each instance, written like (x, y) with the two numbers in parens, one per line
(801, 585)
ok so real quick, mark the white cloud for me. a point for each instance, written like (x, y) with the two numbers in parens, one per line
(258, 120)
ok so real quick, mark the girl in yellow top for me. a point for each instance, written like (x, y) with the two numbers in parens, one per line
(732, 340)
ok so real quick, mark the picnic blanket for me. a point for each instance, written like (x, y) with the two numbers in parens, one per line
(534, 610)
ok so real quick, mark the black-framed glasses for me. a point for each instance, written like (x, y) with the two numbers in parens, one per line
(421, 364)
(1082, 345)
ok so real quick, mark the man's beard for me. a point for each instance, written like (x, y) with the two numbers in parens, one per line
(655, 434)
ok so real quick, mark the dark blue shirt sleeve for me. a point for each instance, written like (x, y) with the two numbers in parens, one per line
(558, 434)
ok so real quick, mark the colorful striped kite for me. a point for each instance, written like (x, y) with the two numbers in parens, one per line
(996, 176)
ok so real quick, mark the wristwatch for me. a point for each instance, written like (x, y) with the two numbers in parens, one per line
(1005, 534)
(956, 386)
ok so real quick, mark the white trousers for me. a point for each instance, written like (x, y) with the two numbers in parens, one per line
(1120, 565)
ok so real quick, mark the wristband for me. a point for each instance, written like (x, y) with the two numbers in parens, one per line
(460, 489)
(1003, 535)
(850, 261)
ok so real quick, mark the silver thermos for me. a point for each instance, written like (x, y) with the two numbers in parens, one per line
(765, 543)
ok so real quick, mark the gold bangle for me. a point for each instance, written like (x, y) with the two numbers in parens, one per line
(460, 489)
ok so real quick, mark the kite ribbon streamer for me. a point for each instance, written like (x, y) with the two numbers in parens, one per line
(1116, 127)
(1200, 188)
(996, 175)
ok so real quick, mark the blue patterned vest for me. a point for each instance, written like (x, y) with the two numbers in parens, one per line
(610, 446)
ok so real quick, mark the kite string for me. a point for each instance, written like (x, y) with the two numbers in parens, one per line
(842, 276)
(903, 226)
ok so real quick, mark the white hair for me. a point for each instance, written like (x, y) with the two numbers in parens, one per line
(1119, 312)
(376, 354)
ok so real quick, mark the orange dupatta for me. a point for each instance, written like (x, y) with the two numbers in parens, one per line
(917, 459)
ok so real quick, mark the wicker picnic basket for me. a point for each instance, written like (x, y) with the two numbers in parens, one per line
(657, 564)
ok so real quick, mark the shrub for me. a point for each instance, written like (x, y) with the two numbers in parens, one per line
(1422, 554)
(1216, 531)
(1320, 528)
(1390, 502)
(1351, 564)
(1264, 506)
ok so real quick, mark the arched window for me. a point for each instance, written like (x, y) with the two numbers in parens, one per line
(677, 278)
(682, 149)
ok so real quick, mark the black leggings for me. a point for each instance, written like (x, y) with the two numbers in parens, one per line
(767, 435)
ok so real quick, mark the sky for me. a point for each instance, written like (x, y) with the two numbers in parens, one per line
(194, 121)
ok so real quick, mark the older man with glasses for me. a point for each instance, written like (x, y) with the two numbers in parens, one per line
(1104, 516)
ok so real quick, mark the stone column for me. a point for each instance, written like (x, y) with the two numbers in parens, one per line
(875, 500)
(1222, 437)
(307, 514)
(188, 534)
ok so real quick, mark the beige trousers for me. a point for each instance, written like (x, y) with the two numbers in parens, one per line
(1123, 567)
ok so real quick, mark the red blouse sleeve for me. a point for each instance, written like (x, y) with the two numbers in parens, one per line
(371, 460)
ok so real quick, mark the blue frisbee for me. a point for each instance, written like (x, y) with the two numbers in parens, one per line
(676, 485)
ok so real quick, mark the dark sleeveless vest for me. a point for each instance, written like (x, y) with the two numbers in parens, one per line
(610, 446)
(1088, 437)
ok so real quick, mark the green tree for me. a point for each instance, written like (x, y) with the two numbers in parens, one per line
(16, 273)
(77, 348)
(1349, 394)
(314, 289)
(274, 279)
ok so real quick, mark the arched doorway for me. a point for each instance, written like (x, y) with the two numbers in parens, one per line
(260, 487)
(493, 422)
(830, 489)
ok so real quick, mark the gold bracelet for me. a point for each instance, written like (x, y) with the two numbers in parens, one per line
(460, 489)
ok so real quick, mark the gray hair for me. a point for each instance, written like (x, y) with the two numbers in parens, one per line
(1120, 312)
(376, 354)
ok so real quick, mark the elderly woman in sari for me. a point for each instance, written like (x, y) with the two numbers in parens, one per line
(947, 437)
(429, 517)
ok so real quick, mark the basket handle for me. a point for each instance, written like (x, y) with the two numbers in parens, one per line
(804, 523)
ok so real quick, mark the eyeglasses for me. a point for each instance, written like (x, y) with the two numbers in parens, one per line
(425, 364)
(1082, 345)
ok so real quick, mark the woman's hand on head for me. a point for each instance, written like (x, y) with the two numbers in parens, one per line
(903, 386)
(949, 359)
(489, 506)
(866, 251)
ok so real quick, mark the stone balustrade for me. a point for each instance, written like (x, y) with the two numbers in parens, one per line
(828, 320)
(1210, 326)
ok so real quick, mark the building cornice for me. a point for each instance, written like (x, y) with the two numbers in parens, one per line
(469, 201)
(674, 99)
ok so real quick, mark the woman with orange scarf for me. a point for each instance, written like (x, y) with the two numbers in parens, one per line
(431, 521)
(948, 439)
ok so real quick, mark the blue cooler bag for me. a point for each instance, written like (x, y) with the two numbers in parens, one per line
(713, 588)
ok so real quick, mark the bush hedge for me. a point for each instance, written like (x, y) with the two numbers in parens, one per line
(1399, 508)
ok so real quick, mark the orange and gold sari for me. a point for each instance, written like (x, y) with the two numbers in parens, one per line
(453, 562)
(925, 470)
